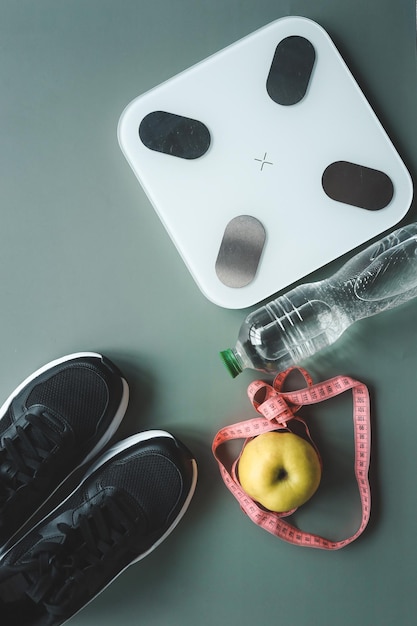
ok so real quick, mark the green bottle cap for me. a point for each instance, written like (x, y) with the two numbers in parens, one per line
(231, 362)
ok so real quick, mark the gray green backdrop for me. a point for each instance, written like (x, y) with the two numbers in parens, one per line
(86, 265)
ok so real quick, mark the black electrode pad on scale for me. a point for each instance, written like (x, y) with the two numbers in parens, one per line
(265, 162)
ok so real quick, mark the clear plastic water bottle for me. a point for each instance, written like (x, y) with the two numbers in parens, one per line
(310, 317)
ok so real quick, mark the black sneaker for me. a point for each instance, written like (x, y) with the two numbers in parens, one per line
(56, 420)
(126, 505)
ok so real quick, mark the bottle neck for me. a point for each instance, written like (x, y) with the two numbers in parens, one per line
(233, 361)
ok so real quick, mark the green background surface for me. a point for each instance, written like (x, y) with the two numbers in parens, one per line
(86, 265)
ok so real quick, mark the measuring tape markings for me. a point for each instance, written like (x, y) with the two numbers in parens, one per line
(277, 408)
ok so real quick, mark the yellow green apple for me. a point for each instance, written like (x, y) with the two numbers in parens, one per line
(280, 470)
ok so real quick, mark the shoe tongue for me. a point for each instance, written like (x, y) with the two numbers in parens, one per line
(49, 416)
(129, 506)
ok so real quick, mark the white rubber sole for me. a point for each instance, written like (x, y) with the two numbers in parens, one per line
(113, 426)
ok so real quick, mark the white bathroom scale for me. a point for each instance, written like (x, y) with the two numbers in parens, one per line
(264, 162)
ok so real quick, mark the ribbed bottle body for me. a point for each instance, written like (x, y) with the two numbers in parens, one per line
(290, 329)
(312, 316)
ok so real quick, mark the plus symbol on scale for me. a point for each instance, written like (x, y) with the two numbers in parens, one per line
(264, 161)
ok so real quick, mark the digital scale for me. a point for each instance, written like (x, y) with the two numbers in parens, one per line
(265, 162)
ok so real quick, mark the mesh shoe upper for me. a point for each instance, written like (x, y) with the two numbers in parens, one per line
(54, 422)
(123, 509)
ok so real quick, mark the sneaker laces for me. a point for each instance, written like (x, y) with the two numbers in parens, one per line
(23, 454)
(57, 570)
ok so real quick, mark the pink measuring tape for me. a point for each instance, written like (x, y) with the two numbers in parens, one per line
(277, 409)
